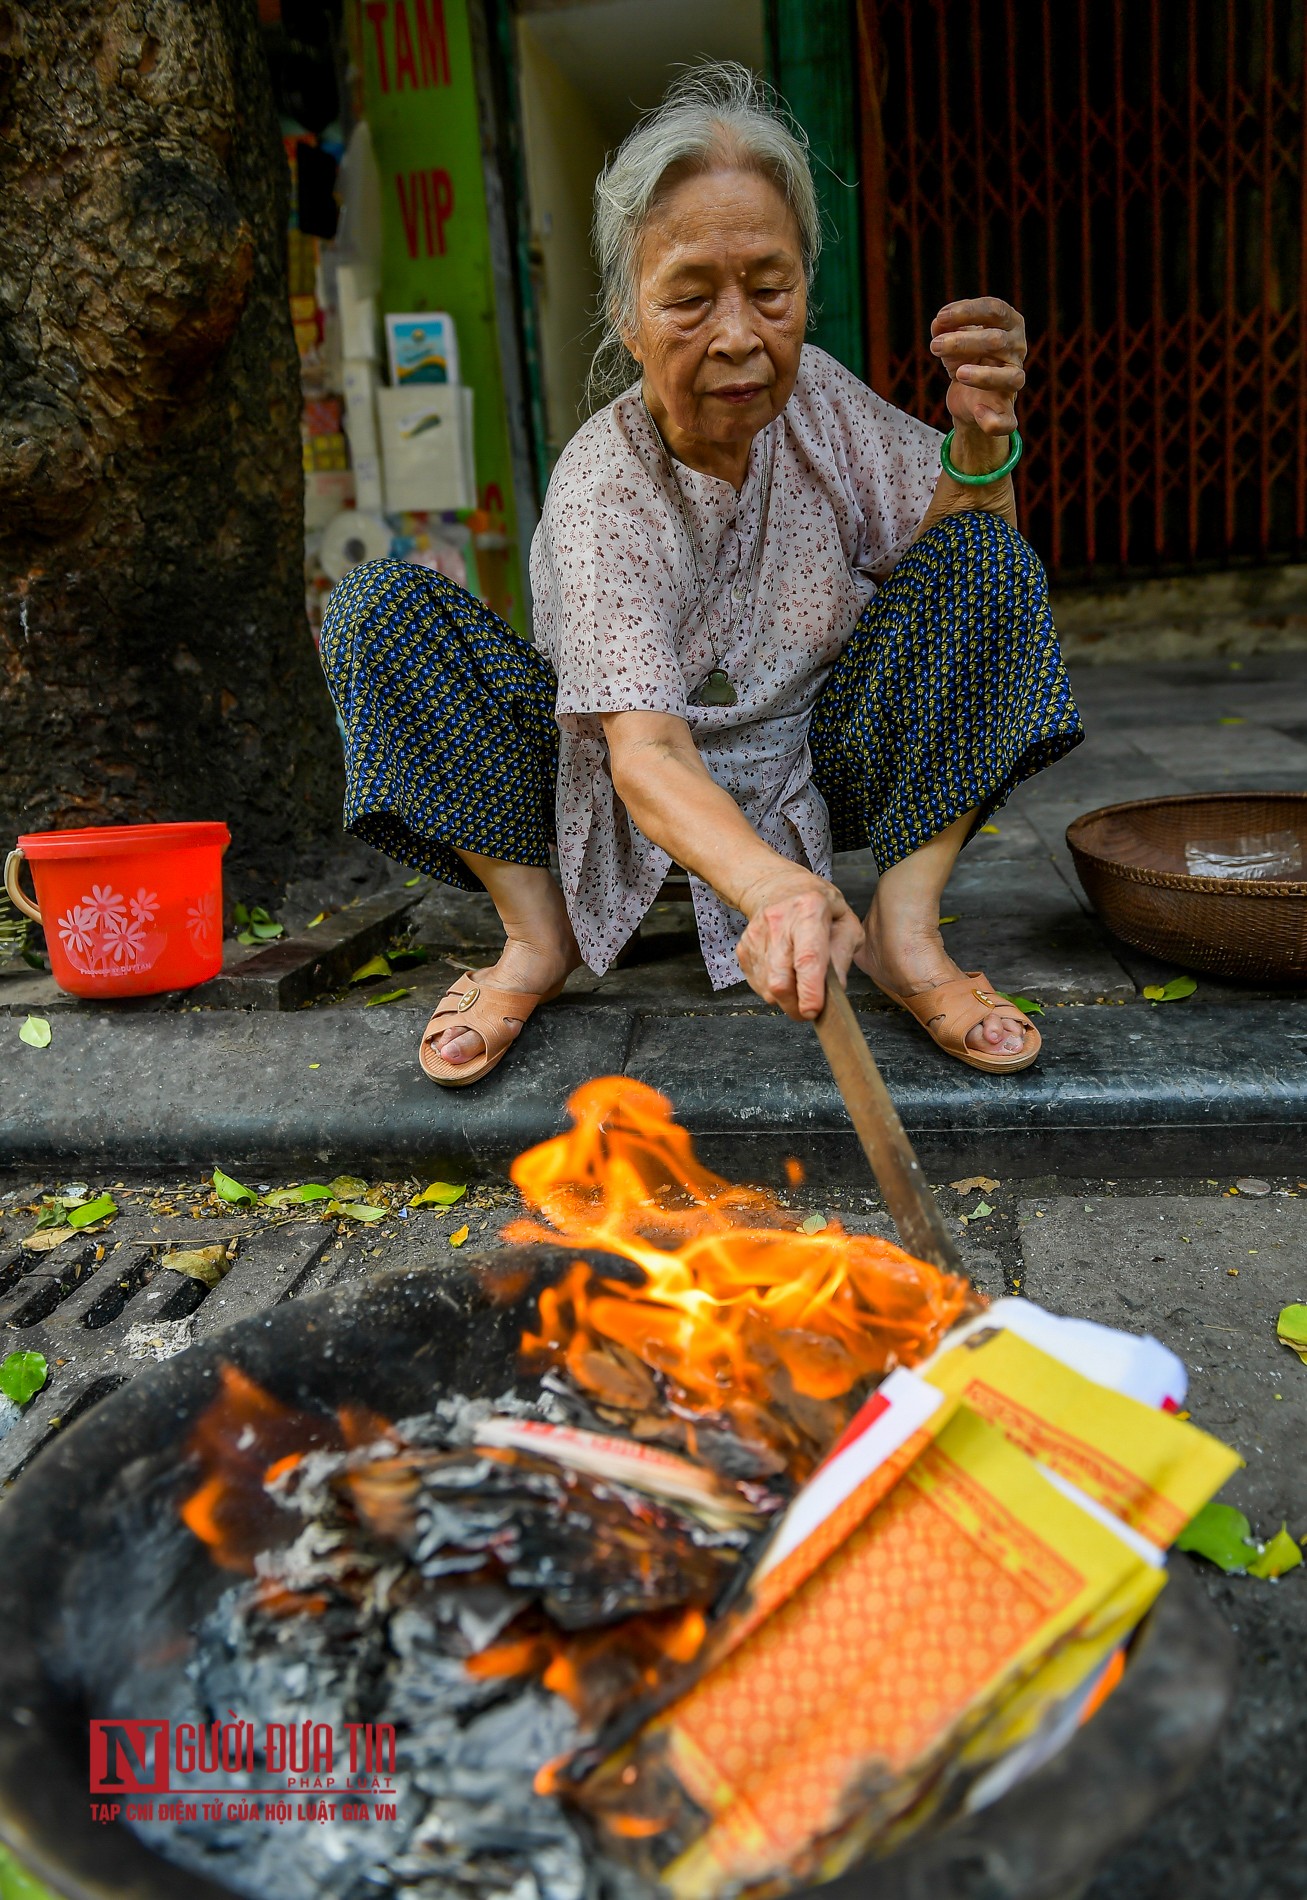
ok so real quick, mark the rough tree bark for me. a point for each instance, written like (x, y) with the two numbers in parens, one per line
(155, 661)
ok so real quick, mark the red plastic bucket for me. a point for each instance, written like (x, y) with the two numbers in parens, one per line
(127, 910)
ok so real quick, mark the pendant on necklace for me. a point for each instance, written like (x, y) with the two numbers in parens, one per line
(716, 690)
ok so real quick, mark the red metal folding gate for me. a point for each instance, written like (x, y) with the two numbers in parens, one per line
(1133, 177)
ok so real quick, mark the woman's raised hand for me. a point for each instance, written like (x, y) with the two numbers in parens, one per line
(982, 344)
(799, 927)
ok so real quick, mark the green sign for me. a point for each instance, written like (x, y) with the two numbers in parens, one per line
(420, 101)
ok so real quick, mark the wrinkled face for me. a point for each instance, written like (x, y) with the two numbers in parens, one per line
(721, 307)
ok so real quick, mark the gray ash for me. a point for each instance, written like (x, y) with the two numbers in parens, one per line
(435, 1587)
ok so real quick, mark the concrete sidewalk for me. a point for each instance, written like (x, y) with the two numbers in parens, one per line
(1123, 1086)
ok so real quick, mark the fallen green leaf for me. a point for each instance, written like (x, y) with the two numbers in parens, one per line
(240, 914)
(375, 966)
(813, 1224)
(349, 1187)
(409, 882)
(1028, 1004)
(22, 1374)
(387, 996)
(409, 956)
(1172, 992)
(989, 831)
(1281, 1554)
(208, 1265)
(313, 922)
(439, 1194)
(231, 1191)
(35, 1032)
(34, 960)
(458, 1236)
(1222, 1535)
(1291, 1330)
(949, 920)
(981, 1211)
(359, 1210)
(87, 1211)
(292, 1196)
(54, 1213)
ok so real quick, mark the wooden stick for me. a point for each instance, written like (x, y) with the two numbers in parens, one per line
(884, 1139)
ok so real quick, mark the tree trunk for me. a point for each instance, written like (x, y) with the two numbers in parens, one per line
(155, 660)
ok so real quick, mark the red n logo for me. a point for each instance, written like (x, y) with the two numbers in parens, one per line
(129, 1757)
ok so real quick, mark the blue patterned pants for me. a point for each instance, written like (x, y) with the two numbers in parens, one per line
(951, 690)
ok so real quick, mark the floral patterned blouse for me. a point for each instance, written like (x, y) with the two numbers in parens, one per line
(617, 611)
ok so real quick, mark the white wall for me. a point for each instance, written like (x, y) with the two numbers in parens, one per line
(587, 71)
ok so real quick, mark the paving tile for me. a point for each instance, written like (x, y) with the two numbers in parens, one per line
(1212, 748)
(1207, 1277)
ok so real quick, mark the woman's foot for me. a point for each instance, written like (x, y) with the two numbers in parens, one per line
(909, 962)
(538, 969)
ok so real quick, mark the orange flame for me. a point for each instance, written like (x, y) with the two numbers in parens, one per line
(739, 1311)
(242, 1440)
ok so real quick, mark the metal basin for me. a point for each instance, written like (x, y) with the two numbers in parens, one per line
(97, 1588)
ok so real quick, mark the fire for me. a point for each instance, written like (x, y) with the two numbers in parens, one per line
(739, 1311)
(243, 1440)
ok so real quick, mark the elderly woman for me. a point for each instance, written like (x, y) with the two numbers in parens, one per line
(776, 618)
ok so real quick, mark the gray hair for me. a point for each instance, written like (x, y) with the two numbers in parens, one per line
(717, 113)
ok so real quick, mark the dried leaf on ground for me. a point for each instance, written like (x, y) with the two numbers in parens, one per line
(1280, 1555)
(230, 1190)
(349, 1187)
(458, 1236)
(974, 1182)
(949, 920)
(22, 1374)
(375, 966)
(1173, 992)
(1291, 1330)
(208, 1265)
(1221, 1534)
(45, 1239)
(35, 1032)
(439, 1194)
(103, 1207)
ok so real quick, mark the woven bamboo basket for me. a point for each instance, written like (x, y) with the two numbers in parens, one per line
(1131, 861)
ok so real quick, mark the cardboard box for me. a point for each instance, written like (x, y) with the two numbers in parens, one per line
(426, 448)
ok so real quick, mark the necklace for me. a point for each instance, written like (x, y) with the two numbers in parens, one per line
(716, 689)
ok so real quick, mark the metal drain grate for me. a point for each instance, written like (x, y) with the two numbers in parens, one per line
(99, 1322)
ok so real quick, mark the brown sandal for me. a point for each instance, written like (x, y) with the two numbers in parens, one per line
(951, 1011)
(469, 1004)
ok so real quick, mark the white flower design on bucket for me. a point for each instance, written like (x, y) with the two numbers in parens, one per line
(103, 935)
(77, 929)
(104, 902)
(124, 939)
(201, 919)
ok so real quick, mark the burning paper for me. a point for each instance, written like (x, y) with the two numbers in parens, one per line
(736, 1317)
